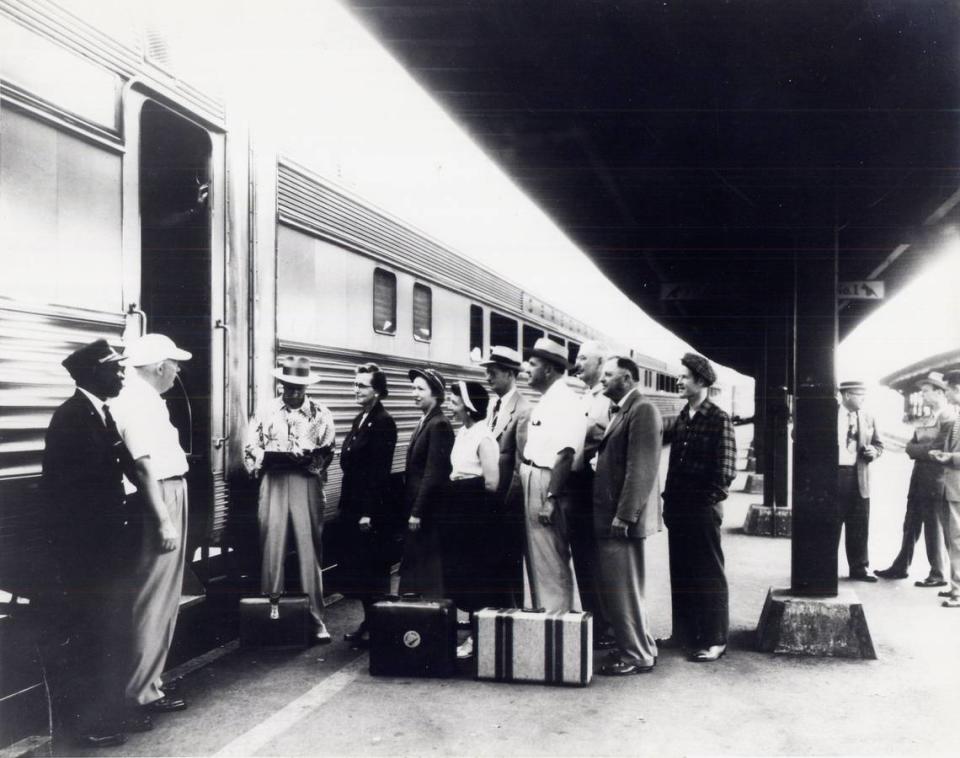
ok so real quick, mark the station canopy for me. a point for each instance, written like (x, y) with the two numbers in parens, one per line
(699, 151)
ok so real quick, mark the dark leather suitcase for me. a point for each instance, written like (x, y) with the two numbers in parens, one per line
(283, 622)
(410, 636)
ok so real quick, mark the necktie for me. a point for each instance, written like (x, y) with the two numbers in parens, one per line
(496, 411)
(851, 428)
(614, 408)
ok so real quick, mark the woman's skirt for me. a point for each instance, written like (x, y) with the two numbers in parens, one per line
(470, 542)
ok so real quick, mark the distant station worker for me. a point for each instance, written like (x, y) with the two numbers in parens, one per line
(426, 487)
(468, 529)
(926, 492)
(554, 437)
(366, 506)
(949, 458)
(161, 465)
(583, 542)
(627, 510)
(84, 462)
(702, 466)
(290, 444)
(860, 445)
(505, 417)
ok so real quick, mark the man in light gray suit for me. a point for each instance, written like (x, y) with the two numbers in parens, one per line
(504, 417)
(859, 445)
(627, 509)
(949, 457)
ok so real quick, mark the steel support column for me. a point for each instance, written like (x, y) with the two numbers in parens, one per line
(815, 511)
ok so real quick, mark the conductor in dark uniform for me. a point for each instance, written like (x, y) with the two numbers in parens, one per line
(366, 513)
(84, 462)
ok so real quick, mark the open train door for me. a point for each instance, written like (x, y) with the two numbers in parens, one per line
(175, 243)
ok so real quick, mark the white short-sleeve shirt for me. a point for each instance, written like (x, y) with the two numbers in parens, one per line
(557, 422)
(465, 455)
(143, 421)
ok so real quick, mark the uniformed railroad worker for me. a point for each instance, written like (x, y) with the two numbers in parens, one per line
(555, 435)
(702, 466)
(161, 465)
(290, 444)
(84, 462)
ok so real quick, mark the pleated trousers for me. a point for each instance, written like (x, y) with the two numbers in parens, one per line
(296, 499)
(156, 600)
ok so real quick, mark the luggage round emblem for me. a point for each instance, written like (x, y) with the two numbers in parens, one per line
(411, 639)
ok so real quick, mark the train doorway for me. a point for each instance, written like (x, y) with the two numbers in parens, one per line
(177, 284)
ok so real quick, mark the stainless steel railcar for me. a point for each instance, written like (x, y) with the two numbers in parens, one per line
(103, 154)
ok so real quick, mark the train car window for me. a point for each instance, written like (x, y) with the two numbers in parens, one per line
(660, 384)
(476, 328)
(384, 301)
(573, 350)
(503, 331)
(422, 313)
(647, 378)
(530, 336)
(557, 338)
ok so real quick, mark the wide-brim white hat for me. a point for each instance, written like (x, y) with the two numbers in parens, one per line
(294, 370)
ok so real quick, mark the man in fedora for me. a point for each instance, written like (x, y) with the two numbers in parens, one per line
(555, 435)
(859, 445)
(290, 445)
(84, 462)
(926, 487)
(505, 417)
(143, 420)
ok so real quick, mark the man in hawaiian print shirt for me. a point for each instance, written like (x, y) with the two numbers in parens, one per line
(290, 445)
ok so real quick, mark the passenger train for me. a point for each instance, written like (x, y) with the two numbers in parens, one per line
(131, 201)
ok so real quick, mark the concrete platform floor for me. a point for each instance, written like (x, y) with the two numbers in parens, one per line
(323, 702)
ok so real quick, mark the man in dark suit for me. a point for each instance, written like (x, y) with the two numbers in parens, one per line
(505, 416)
(949, 458)
(859, 445)
(626, 510)
(84, 462)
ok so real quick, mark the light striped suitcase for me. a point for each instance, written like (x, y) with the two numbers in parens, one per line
(514, 645)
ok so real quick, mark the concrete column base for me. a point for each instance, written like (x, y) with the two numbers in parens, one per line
(764, 520)
(820, 626)
(754, 484)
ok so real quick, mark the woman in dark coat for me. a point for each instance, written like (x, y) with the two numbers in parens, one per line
(426, 487)
(365, 504)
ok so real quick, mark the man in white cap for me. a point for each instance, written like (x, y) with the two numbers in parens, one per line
(290, 444)
(143, 420)
(555, 436)
(859, 444)
(926, 487)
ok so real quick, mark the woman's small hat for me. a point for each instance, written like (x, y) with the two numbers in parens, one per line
(432, 377)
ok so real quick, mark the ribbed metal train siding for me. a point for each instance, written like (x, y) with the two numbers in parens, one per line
(305, 203)
(33, 384)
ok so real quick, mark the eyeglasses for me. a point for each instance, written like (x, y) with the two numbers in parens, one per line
(358, 386)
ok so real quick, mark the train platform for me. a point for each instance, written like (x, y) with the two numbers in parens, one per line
(322, 701)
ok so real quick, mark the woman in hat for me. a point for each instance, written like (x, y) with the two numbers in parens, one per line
(426, 487)
(290, 444)
(365, 504)
(467, 525)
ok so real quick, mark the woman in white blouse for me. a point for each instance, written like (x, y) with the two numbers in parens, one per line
(466, 534)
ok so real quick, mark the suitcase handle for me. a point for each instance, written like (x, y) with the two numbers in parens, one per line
(534, 610)
(411, 596)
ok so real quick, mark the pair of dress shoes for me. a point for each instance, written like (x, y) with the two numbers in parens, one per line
(166, 704)
(862, 576)
(890, 573)
(604, 642)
